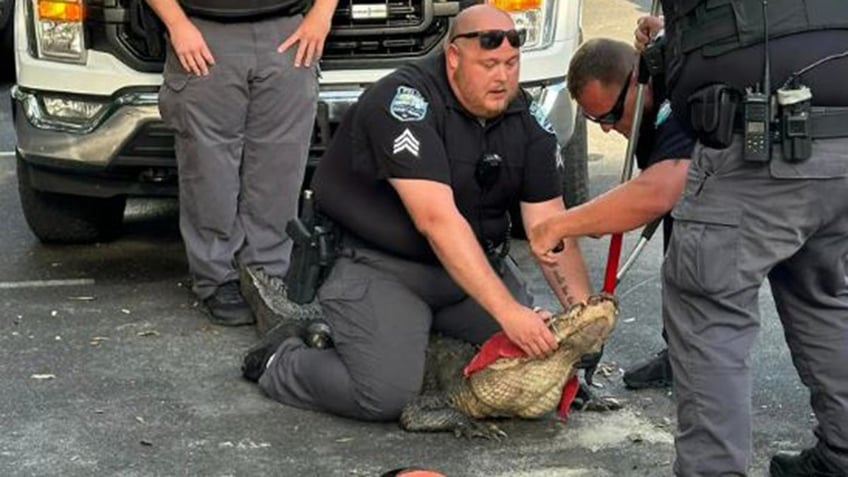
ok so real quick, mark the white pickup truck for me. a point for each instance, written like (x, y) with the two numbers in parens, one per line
(85, 104)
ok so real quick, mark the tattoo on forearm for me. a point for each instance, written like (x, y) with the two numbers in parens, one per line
(563, 286)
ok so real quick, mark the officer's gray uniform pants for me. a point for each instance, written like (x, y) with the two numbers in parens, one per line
(381, 310)
(736, 224)
(242, 139)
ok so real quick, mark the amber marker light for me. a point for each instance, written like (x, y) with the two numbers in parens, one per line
(60, 11)
(516, 5)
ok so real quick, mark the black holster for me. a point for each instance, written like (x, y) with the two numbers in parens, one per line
(315, 247)
(712, 112)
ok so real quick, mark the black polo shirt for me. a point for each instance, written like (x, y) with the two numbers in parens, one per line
(662, 137)
(409, 125)
(242, 10)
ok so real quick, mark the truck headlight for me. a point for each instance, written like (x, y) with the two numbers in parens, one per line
(535, 16)
(58, 26)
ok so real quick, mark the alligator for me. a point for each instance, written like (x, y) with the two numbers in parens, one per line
(266, 296)
(451, 401)
(520, 387)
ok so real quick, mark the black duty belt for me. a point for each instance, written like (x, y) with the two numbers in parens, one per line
(828, 122)
(825, 122)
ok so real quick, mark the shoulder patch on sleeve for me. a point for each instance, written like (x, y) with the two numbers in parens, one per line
(539, 114)
(408, 104)
(663, 114)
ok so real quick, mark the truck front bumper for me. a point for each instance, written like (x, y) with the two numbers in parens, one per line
(123, 147)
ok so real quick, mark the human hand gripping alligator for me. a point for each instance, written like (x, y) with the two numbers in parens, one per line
(464, 385)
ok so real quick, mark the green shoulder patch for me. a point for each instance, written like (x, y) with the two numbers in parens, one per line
(663, 114)
(408, 104)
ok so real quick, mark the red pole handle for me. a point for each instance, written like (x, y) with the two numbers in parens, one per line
(612, 263)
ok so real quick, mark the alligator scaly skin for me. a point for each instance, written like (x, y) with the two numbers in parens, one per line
(266, 296)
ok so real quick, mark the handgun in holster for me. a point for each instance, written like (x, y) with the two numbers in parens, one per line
(313, 252)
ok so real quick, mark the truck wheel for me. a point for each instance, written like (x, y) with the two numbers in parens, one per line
(575, 174)
(63, 218)
(575, 159)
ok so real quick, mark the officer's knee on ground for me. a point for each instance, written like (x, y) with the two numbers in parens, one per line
(384, 403)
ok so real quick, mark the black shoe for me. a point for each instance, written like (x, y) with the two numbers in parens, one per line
(589, 364)
(807, 463)
(227, 307)
(316, 334)
(656, 373)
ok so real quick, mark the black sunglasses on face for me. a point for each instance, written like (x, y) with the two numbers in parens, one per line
(492, 39)
(614, 114)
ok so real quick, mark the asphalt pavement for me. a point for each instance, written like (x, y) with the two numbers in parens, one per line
(110, 367)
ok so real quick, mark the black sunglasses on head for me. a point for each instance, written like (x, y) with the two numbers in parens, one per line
(614, 114)
(492, 39)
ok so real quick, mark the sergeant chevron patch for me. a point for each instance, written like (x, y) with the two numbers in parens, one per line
(406, 142)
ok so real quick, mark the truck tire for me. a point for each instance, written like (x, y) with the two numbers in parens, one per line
(575, 161)
(575, 174)
(63, 218)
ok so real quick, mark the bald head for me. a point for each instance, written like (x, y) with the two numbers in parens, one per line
(479, 17)
(483, 68)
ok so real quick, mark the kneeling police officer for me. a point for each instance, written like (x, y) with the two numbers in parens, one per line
(420, 178)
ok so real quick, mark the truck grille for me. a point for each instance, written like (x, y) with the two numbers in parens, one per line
(365, 34)
(149, 157)
(153, 143)
(382, 31)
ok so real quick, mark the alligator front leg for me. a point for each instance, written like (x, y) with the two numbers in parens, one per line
(434, 414)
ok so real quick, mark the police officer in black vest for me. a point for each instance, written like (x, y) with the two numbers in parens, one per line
(421, 176)
(766, 197)
(240, 89)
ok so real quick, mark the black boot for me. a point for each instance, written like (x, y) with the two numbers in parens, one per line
(656, 373)
(807, 463)
(227, 306)
(316, 334)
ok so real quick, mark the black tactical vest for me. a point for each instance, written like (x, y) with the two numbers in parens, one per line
(715, 27)
(235, 10)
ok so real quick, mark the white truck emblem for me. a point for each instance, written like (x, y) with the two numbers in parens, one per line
(369, 11)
